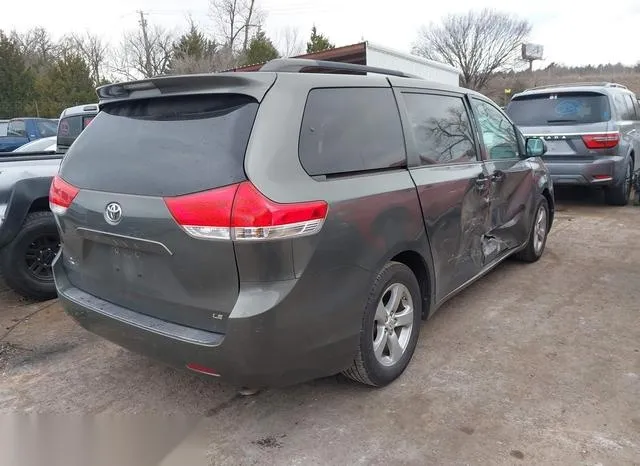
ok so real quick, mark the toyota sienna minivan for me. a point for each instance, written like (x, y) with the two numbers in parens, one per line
(278, 226)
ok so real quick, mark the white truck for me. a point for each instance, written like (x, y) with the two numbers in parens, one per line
(384, 57)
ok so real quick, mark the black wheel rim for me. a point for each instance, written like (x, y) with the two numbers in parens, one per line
(39, 257)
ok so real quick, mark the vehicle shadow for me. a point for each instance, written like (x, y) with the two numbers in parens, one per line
(578, 196)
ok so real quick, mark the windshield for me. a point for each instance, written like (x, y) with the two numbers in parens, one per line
(47, 128)
(569, 108)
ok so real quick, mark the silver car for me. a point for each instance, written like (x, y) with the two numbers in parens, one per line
(592, 131)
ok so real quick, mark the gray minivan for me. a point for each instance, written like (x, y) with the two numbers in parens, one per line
(278, 226)
(592, 131)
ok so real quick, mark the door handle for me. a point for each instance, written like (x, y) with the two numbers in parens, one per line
(481, 182)
(497, 176)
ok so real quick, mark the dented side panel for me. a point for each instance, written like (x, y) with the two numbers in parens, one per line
(513, 195)
(456, 208)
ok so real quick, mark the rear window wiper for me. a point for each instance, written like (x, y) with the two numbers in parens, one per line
(562, 121)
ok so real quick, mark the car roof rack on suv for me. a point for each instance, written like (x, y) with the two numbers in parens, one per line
(591, 84)
(302, 65)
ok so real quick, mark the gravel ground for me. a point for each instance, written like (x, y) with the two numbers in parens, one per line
(534, 364)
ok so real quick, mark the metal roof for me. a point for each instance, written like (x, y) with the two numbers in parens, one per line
(355, 53)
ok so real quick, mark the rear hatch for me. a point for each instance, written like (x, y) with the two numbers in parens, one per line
(121, 242)
(575, 125)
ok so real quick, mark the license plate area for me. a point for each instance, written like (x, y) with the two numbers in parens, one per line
(128, 263)
(122, 260)
(558, 147)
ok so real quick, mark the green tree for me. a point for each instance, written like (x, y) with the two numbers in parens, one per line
(193, 52)
(318, 42)
(16, 79)
(193, 44)
(66, 82)
(260, 50)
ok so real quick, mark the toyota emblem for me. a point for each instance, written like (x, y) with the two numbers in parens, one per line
(113, 213)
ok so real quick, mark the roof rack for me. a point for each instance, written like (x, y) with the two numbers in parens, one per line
(599, 84)
(302, 65)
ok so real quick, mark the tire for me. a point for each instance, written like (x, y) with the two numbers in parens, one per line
(620, 193)
(379, 370)
(38, 233)
(537, 238)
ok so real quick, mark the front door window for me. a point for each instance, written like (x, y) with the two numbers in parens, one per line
(498, 134)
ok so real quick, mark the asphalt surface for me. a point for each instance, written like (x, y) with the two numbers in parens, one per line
(534, 364)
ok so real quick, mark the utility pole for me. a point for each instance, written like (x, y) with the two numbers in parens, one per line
(147, 47)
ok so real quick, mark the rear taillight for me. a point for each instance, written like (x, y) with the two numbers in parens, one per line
(61, 195)
(205, 215)
(601, 140)
(240, 212)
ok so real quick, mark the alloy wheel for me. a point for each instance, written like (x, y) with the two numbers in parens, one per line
(393, 324)
(540, 229)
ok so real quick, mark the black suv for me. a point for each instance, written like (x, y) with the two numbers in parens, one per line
(282, 225)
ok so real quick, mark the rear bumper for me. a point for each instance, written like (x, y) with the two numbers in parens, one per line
(603, 171)
(281, 346)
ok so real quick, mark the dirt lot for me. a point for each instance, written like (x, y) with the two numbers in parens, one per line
(534, 364)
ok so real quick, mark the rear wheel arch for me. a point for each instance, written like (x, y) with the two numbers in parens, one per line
(40, 204)
(418, 266)
(28, 195)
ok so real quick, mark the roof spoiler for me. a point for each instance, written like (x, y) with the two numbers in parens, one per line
(591, 84)
(255, 85)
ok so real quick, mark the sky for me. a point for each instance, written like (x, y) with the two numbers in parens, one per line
(572, 32)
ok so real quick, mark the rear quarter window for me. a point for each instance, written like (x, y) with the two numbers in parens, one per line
(351, 130)
(624, 106)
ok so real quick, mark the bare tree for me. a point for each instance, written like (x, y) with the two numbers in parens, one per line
(479, 43)
(36, 46)
(145, 52)
(289, 42)
(94, 50)
(235, 17)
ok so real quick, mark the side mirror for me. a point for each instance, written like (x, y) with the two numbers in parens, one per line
(536, 147)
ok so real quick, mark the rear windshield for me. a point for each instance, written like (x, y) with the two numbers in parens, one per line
(163, 147)
(70, 128)
(569, 108)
